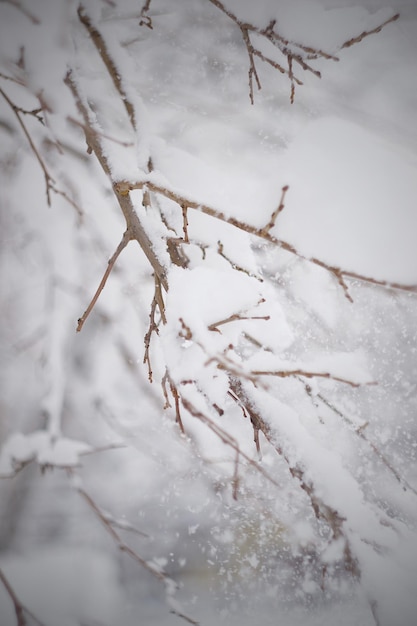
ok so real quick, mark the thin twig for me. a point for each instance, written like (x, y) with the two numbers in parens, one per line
(153, 328)
(220, 251)
(125, 144)
(176, 396)
(125, 548)
(225, 437)
(277, 211)
(252, 67)
(49, 180)
(362, 36)
(14, 3)
(236, 317)
(19, 608)
(306, 374)
(101, 47)
(293, 51)
(185, 224)
(360, 432)
(122, 245)
(145, 19)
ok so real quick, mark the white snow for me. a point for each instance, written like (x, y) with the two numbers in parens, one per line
(347, 148)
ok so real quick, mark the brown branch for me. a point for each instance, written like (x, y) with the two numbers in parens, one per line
(293, 51)
(101, 47)
(235, 479)
(280, 207)
(233, 264)
(291, 77)
(145, 19)
(122, 245)
(298, 372)
(225, 437)
(49, 180)
(125, 144)
(174, 391)
(236, 317)
(185, 224)
(19, 608)
(339, 273)
(18, 81)
(17, 5)
(153, 328)
(252, 72)
(133, 223)
(125, 548)
(362, 36)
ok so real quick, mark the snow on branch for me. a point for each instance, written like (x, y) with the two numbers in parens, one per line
(124, 187)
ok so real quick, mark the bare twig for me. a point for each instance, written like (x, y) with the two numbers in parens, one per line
(277, 211)
(49, 180)
(174, 392)
(293, 51)
(235, 479)
(362, 36)
(225, 437)
(19, 607)
(252, 67)
(145, 19)
(125, 144)
(18, 5)
(306, 374)
(125, 548)
(185, 224)
(101, 47)
(153, 328)
(122, 245)
(13, 79)
(236, 317)
(220, 251)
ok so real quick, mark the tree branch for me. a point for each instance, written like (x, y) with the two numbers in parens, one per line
(19, 608)
(133, 224)
(123, 187)
(101, 47)
(122, 245)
